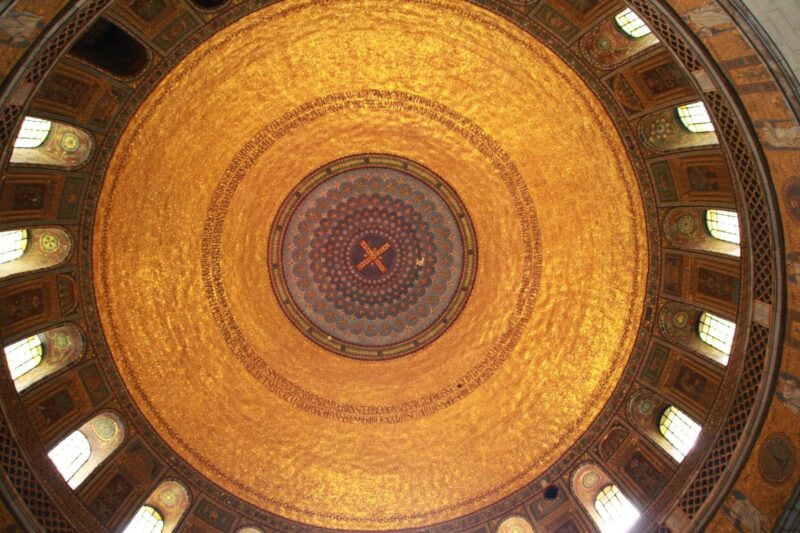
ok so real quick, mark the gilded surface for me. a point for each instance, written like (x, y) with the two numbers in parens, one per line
(564, 340)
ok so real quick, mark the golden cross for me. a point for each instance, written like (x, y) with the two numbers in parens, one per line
(373, 257)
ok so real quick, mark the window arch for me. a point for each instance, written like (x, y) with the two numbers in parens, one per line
(695, 117)
(707, 230)
(37, 356)
(48, 142)
(515, 524)
(601, 498)
(23, 356)
(677, 128)
(83, 450)
(29, 249)
(33, 132)
(680, 430)
(170, 500)
(716, 332)
(146, 520)
(616, 512)
(631, 24)
(70, 455)
(13, 244)
(693, 328)
(723, 225)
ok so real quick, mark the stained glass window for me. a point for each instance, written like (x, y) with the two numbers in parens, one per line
(147, 520)
(680, 430)
(13, 244)
(695, 117)
(632, 24)
(723, 225)
(24, 355)
(617, 513)
(716, 332)
(33, 133)
(70, 454)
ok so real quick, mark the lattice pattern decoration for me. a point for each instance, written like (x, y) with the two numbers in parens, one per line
(754, 197)
(27, 486)
(735, 424)
(666, 33)
(8, 123)
(58, 45)
(46, 59)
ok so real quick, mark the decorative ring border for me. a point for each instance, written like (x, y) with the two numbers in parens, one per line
(530, 251)
(466, 279)
(223, 496)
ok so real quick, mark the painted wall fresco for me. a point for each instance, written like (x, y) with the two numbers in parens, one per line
(20, 27)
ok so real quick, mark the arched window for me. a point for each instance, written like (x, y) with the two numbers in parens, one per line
(25, 250)
(13, 244)
(33, 132)
(632, 24)
(86, 448)
(616, 512)
(723, 225)
(695, 118)
(23, 356)
(170, 500)
(71, 454)
(38, 356)
(51, 143)
(716, 332)
(680, 430)
(147, 520)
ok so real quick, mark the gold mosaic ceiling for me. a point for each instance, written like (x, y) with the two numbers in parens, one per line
(183, 288)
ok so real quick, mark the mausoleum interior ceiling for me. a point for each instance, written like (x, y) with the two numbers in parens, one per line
(299, 430)
(371, 265)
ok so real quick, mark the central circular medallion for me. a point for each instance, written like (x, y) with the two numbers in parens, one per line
(372, 256)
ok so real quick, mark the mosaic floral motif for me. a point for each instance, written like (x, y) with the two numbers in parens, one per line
(372, 256)
(660, 129)
(515, 524)
(590, 480)
(105, 428)
(49, 242)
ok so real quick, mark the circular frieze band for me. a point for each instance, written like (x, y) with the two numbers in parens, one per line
(529, 250)
(372, 256)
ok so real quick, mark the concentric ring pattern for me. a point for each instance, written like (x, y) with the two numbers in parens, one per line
(372, 256)
(187, 245)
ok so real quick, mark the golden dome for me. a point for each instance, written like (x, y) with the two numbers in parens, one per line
(181, 261)
(371, 265)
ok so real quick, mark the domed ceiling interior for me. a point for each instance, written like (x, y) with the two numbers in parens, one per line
(201, 336)
(380, 265)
